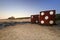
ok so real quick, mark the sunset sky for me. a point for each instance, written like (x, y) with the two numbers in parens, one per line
(25, 8)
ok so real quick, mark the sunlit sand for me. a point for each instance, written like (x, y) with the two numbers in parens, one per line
(29, 31)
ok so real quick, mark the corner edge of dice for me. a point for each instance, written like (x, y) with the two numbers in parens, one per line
(45, 17)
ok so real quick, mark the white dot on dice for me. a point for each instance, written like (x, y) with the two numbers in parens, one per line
(51, 12)
(32, 16)
(36, 21)
(46, 17)
(51, 22)
(42, 13)
(42, 22)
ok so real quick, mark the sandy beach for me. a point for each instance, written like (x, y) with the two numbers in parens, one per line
(28, 31)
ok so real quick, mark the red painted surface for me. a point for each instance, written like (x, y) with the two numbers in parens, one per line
(50, 17)
(34, 19)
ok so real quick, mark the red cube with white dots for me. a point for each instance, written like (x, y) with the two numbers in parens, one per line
(34, 19)
(47, 17)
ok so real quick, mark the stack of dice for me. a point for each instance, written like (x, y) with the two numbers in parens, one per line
(47, 17)
(34, 19)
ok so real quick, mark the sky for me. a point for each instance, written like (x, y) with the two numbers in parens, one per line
(26, 8)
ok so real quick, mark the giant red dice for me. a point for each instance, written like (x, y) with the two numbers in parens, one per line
(47, 17)
(34, 19)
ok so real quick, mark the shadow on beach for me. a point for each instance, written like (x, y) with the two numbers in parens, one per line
(6, 24)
